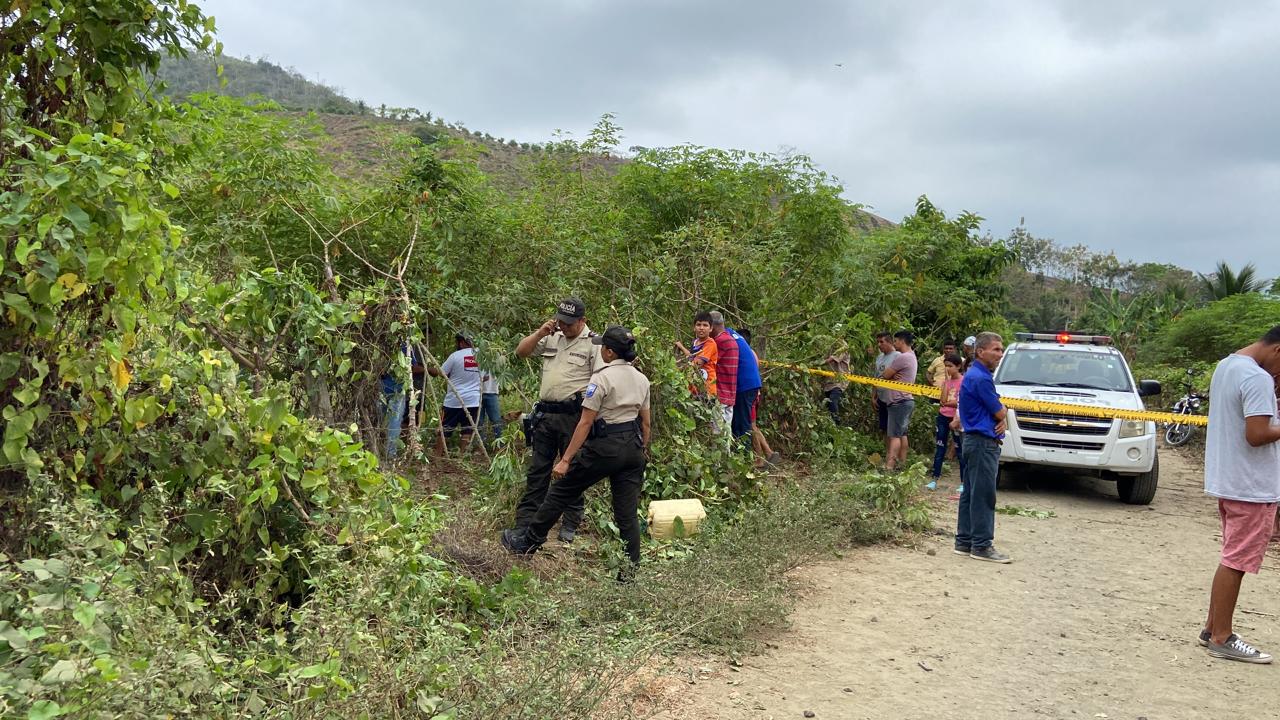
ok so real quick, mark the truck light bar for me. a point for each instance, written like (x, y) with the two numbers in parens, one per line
(1064, 338)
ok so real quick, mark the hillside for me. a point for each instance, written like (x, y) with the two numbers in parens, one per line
(359, 135)
(198, 73)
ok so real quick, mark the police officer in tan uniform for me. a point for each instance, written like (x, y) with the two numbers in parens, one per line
(608, 441)
(568, 360)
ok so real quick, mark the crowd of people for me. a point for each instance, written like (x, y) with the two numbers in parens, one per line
(592, 422)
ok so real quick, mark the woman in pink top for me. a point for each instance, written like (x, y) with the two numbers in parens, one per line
(947, 413)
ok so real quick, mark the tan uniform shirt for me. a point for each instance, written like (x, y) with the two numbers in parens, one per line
(618, 392)
(567, 365)
(937, 372)
(840, 366)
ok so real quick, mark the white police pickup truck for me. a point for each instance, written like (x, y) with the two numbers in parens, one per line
(1081, 370)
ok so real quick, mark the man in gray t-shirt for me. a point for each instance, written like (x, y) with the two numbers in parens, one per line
(1242, 470)
(903, 368)
(880, 396)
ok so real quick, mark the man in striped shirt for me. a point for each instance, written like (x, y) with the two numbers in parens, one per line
(726, 366)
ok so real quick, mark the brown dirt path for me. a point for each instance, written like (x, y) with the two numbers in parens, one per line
(1096, 618)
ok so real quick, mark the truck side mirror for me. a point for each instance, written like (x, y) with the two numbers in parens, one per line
(1147, 388)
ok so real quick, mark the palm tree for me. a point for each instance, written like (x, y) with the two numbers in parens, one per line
(1225, 282)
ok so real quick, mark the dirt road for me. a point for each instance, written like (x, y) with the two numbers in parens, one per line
(1096, 618)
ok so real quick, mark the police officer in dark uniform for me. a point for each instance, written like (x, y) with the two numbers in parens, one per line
(568, 360)
(609, 441)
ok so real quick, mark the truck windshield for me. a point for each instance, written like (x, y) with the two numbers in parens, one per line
(1063, 369)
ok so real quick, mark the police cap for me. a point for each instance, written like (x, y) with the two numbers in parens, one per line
(617, 339)
(570, 310)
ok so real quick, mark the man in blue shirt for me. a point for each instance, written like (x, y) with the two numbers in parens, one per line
(983, 418)
(748, 386)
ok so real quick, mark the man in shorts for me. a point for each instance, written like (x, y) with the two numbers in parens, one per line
(461, 411)
(1242, 470)
(903, 368)
(880, 396)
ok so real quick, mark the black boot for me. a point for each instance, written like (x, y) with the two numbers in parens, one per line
(518, 542)
(567, 532)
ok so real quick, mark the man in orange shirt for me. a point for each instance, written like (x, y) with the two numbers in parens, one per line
(704, 354)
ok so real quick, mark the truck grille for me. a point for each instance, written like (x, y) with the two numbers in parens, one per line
(1063, 444)
(1061, 424)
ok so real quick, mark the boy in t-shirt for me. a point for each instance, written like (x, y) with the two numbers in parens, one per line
(1242, 470)
(703, 355)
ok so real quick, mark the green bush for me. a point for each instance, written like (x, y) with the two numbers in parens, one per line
(1212, 332)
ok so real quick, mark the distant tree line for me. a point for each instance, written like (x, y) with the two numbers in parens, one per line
(246, 77)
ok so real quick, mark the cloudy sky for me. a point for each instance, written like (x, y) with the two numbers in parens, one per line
(1147, 128)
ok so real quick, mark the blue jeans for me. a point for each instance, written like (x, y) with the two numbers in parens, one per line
(491, 410)
(393, 406)
(940, 452)
(976, 524)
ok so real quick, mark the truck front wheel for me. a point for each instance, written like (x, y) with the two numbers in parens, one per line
(1140, 489)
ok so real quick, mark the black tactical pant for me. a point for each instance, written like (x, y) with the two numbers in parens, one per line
(619, 457)
(551, 436)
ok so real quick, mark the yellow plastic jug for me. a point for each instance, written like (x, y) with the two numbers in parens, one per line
(675, 518)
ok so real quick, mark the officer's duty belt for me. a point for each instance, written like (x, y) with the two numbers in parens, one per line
(564, 407)
(619, 428)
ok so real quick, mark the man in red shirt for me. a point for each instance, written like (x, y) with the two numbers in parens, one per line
(726, 366)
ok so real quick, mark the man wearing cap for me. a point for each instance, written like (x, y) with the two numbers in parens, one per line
(568, 360)
(608, 441)
(970, 347)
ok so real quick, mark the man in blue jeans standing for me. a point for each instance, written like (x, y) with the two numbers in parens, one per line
(983, 418)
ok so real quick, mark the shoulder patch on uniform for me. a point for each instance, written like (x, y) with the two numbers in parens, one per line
(591, 390)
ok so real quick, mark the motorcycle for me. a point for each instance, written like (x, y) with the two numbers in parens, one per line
(1176, 434)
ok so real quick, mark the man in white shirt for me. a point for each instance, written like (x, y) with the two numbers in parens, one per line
(461, 411)
(1242, 470)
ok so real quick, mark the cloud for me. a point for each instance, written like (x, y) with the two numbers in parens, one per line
(1146, 128)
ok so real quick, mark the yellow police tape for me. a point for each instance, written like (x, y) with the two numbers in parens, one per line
(1014, 403)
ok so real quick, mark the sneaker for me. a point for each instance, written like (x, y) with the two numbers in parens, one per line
(1236, 649)
(990, 554)
(567, 533)
(517, 542)
(960, 490)
(961, 549)
(1204, 638)
(932, 485)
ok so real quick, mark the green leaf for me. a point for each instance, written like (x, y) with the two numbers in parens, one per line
(130, 221)
(85, 614)
(96, 264)
(44, 710)
(9, 364)
(170, 190)
(63, 671)
(19, 305)
(45, 224)
(20, 425)
(77, 217)
(27, 394)
(36, 567)
(287, 455)
(56, 178)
